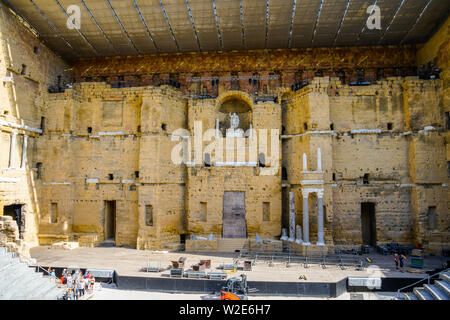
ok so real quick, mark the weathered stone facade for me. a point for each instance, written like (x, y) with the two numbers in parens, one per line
(96, 161)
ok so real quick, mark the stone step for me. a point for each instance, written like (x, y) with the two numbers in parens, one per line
(52, 293)
(423, 294)
(21, 284)
(14, 275)
(35, 287)
(8, 262)
(108, 243)
(444, 286)
(19, 281)
(410, 296)
(435, 292)
(11, 270)
(230, 244)
(445, 276)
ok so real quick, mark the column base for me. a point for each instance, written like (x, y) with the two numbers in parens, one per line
(299, 241)
(306, 243)
(291, 239)
(320, 243)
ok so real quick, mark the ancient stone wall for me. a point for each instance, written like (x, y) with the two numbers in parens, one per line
(28, 69)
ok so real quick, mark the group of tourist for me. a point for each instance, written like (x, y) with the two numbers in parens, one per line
(78, 284)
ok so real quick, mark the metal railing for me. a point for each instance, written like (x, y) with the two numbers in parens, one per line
(427, 278)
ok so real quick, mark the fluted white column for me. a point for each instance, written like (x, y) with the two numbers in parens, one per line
(305, 162)
(320, 233)
(299, 234)
(217, 128)
(12, 149)
(24, 151)
(319, 159)
(305, 218)
(291, 216)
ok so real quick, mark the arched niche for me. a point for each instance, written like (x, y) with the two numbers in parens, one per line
(234, 102)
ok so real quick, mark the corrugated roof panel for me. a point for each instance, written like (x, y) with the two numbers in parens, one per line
(280, 13)
(203, 14)
(254, 23)
(152, 12)
(180, 21)
(304, 22)
(229, 15)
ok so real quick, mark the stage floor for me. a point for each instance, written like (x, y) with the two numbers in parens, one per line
(128, 262)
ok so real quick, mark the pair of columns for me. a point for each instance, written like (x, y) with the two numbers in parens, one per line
(320, 233)
(320, 217)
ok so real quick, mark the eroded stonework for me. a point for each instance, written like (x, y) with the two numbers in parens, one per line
(95, 161)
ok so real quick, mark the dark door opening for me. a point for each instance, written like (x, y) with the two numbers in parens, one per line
(233, 222)
(110, 220)
(15, 211)
(368, 224)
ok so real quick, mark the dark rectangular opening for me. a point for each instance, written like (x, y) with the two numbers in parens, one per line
(431, 218)
(15, 211)
(366, 178)
(368, 224)
(42, 125)
(149, 215)
(110, 220)
(38, 170)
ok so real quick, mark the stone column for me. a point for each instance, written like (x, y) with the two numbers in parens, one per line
(24, 151)
(299, 235)
(305, 162)
(320, 234)
(319, 159)
(291, 216)
(12, 148)
(284, 234)
(305, 218)
(217, 129)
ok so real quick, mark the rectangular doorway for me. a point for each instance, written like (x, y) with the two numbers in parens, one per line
(368, 224)
(233, 221)
(110, 220)
(15, 211)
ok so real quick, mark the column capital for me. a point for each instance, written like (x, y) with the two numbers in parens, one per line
(320, 193)
(305, 193)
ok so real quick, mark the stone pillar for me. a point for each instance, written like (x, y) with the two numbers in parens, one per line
(284, 234)
(24, 151)
(305, 218)
(217, 128)
(320, 234)
(319, 159)
(12, 148)
(291, 216)
(299, 235)
(305, 162)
